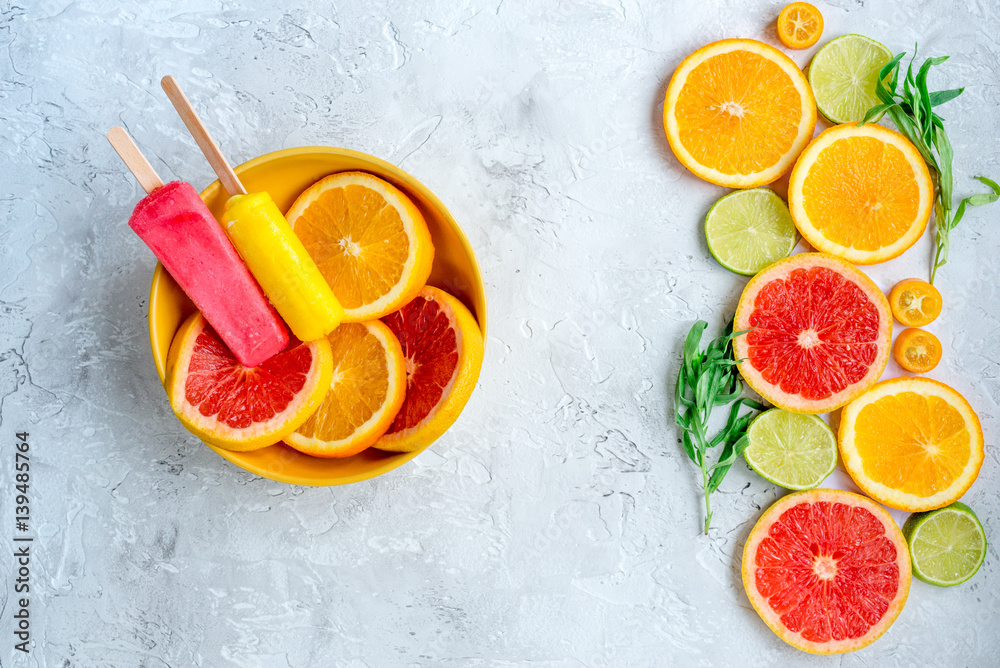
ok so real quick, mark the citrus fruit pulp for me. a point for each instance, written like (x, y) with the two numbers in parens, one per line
(911, 443)
(367, 388)
(821, 333)
(443, 348)
(243, 408)
(861, 193)
(844, 74)
(827, 570)
(947, 546)
(738, 112)
(368, 239)
(749, 229)
(916, 350)
(915, 303)
(792, 450)
(799, 25)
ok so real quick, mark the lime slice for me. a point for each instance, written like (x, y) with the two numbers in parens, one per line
(843, 75)
(793, 450)
(749, 229)
(947, 545)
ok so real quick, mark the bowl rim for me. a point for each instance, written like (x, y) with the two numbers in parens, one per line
(392, 460)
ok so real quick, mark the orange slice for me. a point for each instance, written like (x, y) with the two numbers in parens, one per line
(368, 239)
(916, 350)
(738, 112)
(237, 407)
(915, 303)
(861, 193)
(800, 25)
(911, 443)
(444, 352)
(366, 390)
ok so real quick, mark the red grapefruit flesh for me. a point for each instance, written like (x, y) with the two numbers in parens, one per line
(237, 407)
(444, 352)
(822, 333)
(827, 570)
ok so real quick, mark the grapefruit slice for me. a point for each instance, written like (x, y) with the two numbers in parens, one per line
(827, 570)
(821, 333)
(243, 408)
(444, 352)
(366, 390)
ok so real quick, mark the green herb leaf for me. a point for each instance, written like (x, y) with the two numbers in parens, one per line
(708, 379)
(978, 200)
(942, 96)
(912, 112)
(730, 453)
(875, 112)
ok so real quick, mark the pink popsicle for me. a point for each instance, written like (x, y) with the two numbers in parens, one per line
(186, 238)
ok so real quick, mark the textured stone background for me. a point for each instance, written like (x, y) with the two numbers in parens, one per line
(558, 521)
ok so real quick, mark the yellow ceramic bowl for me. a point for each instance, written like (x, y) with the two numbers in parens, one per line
(285, 174)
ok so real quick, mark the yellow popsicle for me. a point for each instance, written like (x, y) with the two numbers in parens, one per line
(282, 266)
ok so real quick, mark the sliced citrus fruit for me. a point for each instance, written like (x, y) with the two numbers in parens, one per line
(827, 570)
(947, 546)
(916, 350)
(800, 25)
(366, 390)
(237, 407)
(368, 239)
(911, 443)
(861, 193)
(792, 450)
(444, 352)
(844, 74)
(821, 335)
(738, 112)
(749, 229)
(915, 303)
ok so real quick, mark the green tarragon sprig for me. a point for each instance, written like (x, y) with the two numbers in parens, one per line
(708, 379)
(912, 111)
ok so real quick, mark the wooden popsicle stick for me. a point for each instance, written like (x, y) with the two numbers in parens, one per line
(226, 175)
(134, 159)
